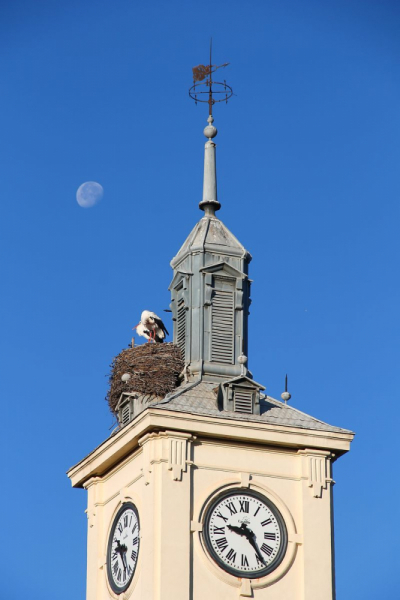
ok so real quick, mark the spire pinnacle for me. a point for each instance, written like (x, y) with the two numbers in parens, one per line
(210, 200)
(216, 92)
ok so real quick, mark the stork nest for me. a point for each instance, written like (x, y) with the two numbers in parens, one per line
(154, 371)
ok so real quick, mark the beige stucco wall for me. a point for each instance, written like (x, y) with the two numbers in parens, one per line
(170, 476)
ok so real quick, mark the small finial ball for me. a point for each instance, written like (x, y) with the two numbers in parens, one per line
(210, 131)
(242, 359)
(285, 396)
(125, 377)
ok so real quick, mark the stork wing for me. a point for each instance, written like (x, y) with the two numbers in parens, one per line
(160, 324)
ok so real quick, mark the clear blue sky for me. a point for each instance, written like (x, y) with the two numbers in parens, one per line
(308, 175)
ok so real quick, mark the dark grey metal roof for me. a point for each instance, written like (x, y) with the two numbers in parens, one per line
(201, 398)
(210, 232)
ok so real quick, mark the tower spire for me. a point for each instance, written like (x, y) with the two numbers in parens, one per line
(216, 92)
(210, 199)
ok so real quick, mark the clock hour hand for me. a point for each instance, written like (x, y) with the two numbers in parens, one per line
(122, 549)
(239, 530)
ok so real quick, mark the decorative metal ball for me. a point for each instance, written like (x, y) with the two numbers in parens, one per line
(285, 396)
(125, 377)
(210, 131)
(242, 359)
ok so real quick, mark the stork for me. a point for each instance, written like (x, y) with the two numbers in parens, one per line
(151, 327)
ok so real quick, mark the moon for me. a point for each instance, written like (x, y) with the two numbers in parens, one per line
(89, 194)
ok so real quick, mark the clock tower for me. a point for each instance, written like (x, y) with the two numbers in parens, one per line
(214, 489)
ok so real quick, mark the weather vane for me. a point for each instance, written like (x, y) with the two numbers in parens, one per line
(216, 92)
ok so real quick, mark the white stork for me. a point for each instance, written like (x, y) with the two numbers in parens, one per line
(151, 327)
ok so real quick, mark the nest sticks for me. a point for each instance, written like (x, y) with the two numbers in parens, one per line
(154, 371)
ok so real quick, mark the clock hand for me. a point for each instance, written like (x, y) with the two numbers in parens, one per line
(123, 557)
(122, 549)
(242, 530)
(256, 548)
(250, 536)
(238, 530)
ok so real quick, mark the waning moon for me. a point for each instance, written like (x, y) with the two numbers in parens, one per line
(89, 194)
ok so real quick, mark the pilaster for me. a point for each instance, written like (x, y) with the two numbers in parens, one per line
(316, 501)
(166, 519)
(95, 561)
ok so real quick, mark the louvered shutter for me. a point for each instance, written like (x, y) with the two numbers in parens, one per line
(181, 326)
(222, 326)
(243, 401)
(126, 414)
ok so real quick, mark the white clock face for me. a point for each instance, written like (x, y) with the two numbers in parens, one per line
(123, 548)
(245, 533)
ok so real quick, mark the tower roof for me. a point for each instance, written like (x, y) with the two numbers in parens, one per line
(210, 234)
(201, 398)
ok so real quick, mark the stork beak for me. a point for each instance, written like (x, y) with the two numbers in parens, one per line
(136, 325)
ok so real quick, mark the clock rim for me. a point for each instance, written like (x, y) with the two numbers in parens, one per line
(125, 506)
(238, 491)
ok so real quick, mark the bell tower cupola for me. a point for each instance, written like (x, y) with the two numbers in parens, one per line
(210, 290)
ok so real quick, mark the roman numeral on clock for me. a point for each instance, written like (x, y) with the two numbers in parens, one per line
(134, 541)
(134, 527)
(219, 530)
(267, 549)
(232, 508)
(269, 536)
(221, 543)
(115, 567)
(244, 561)
(133, 555)
(266, 522)
(222, 517)
(126, 520)
(231, 555)
(244, 506)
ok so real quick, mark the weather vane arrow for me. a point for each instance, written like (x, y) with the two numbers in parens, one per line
(217, 91)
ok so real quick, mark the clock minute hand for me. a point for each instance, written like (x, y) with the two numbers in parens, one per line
(254, 544)
(123, 557)
(250, 536)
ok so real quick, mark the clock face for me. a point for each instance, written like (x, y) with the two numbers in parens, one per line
(123, 547)
(245, 533)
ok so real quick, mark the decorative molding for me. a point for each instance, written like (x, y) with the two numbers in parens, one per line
(124, 494)
(147, 456)
(178, 453)
(108, 455)
(246, 588)
(196, 526)
(171, 447)
(245, 479)
(91, 517)
(316, 469)
(295, 538)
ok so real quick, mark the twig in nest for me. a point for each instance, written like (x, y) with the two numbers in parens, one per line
(154, 370)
